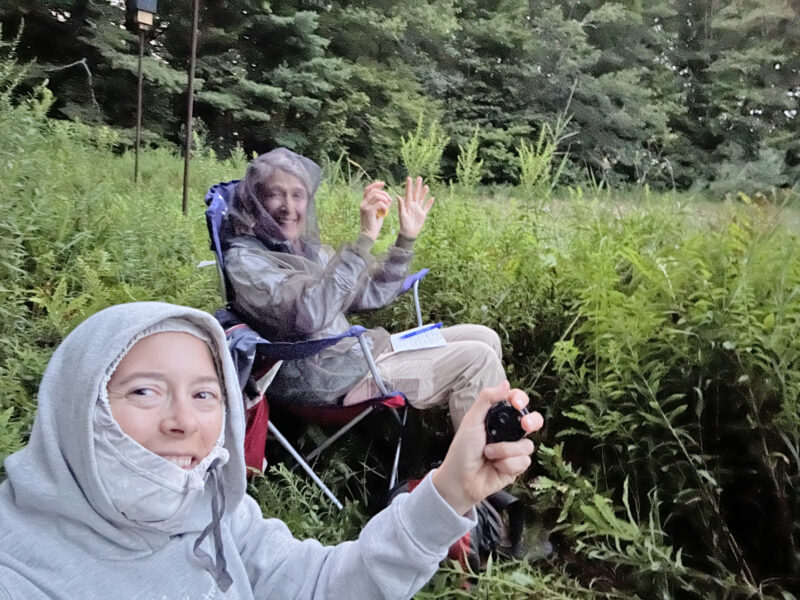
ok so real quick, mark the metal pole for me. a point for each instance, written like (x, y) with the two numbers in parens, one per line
(187, 149)
(285, 443)
(138, 109)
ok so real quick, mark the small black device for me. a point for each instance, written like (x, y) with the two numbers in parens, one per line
(503, 423)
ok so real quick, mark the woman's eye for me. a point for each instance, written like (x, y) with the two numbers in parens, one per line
(208, 396)
(144, 396)
(142, 392)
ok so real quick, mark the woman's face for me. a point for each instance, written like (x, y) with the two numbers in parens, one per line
(285, 198)
(166, 395)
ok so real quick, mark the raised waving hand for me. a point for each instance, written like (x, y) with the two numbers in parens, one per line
(413, 208)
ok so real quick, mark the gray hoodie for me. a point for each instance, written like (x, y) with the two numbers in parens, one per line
(65, 534)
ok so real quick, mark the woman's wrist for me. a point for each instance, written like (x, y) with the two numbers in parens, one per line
(373, 235)
(448, 490)
(364, 243)
(405, 242)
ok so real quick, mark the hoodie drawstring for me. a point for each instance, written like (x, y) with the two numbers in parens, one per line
(218, 568)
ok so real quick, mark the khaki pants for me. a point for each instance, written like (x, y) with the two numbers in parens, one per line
(454, 373)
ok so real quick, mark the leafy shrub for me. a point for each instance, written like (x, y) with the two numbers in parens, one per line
(469, 168)
(539, 173)
(683, 384)
(77, 235)
(422, 150)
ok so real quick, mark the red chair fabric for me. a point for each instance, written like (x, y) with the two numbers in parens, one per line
(255, 437)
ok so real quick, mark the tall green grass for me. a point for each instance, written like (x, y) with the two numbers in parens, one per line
(669, 463)
(76, 235)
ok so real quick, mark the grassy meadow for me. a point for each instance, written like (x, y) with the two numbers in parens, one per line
(656, 332)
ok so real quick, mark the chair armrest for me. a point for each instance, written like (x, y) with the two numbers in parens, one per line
(373, 368)
(412, 281)
(243, 338)
(248, 349)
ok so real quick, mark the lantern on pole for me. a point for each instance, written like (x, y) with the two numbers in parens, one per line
(145, 10)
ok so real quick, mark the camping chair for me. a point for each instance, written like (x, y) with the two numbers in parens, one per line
(258, 360)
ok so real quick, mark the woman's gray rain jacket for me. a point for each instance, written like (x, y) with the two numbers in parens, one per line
(287, 297)
(296, 290)
(62, 537)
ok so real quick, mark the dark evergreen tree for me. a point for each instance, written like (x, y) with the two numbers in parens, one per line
(88, 50)
(386, 45)
(738, 62)
(668, 92)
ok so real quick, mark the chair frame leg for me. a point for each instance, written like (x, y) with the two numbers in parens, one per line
(396, 462)
(319, 449)
(309, 471)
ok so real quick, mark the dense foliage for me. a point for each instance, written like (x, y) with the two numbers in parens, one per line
(658, 336)
(673, 93)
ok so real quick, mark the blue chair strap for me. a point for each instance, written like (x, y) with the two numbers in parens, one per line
(241, 337)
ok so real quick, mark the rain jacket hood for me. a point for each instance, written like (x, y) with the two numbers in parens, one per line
(246, 215)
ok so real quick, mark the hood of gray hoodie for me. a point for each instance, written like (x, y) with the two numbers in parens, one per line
(54, 483)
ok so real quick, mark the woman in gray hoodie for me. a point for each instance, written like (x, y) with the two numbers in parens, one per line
(133, 482)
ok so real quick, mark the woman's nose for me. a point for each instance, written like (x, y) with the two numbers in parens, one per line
(280, 208)
(181, 417)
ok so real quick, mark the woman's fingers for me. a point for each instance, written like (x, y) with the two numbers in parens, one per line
(512, 467)
(374, 207)
(504, 450)
(374, 185)
(533, 421)
(413, 207)
(476, 415)
(517, 398)
(422, 191)
(376, 195)
(370, 189)
(416, 194)
(416, 190)
(379, 199)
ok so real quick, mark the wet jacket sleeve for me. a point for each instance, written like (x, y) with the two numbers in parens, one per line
(300, 299)
(397, 552)
(386, 276)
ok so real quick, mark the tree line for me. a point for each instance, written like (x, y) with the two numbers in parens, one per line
(671, 93)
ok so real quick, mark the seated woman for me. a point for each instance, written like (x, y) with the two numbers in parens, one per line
(289, 287)
(133, 482)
